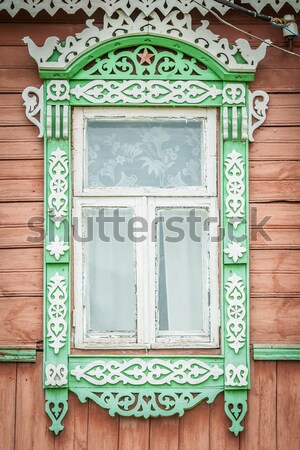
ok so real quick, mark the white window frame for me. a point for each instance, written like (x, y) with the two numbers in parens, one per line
(204, 197)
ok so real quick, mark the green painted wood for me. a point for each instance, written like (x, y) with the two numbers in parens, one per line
(276, 352)
(17, 355)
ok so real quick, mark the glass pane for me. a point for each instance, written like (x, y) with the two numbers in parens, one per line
(161, 153)
(179, 271)
(109, 270)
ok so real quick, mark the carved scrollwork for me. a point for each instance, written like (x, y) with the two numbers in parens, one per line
(234, 93)
(56, 410)
(258, 105)
(58, 90)
(140, 92)
(58, 198)
(236, 375)
(144, 61)
(174, 24)
(33, 102)
(236, 325)
(147, 403)
(235, 187)
(57, 311)
(235, 408)
(56, 375)
(138, 372)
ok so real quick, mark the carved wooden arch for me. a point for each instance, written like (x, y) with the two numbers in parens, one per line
(114, 382)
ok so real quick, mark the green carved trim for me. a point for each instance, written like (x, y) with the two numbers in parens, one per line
(235, 409)
(147, 62)
(56, 408)
(17, 355)
(276, 352)
(147, 402)
(145, 40)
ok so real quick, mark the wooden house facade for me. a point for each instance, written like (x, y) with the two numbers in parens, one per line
(267, 137)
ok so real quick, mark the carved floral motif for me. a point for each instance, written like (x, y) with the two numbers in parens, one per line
(57, 248)
(235, 250)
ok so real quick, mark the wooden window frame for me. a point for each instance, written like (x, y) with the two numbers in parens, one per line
(142, 385)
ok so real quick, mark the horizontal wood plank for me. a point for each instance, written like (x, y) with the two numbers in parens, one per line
(21, 320)
(21, 237)
(274, 170)
(274, 191)
(10, 215)
(281, 215)
(21, 190)
(19, 170)
(21, 284)
(275, 320)
(275, 261)
(20, 259)
(272, 238)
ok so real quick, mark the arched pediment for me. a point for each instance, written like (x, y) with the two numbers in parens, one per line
(57, 60)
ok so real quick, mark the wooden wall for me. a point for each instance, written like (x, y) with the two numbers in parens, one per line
(273, 420)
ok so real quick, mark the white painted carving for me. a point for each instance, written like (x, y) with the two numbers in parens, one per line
(174, 24)
(235, 299)
(49, 122)
(258, 5)
(57, 115)
(57, 248)
(57, 310)
(56, 375)
(244, 124)
(58, 199)
(33, 102)
(235, 250)
(137, 371)
(252, 55)
(33, 7)
(236, 375)
(225, 123)
(139, 91)
(58, 90)
(234, 93)
(65, 124)
(235, 187)
(258, 104)
(41, 54)
(234, 123)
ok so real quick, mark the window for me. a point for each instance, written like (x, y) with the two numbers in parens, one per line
(145, 231)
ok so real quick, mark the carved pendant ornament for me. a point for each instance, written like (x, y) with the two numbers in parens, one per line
(156, 57)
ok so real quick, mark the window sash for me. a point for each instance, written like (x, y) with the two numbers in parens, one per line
(147, 332)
